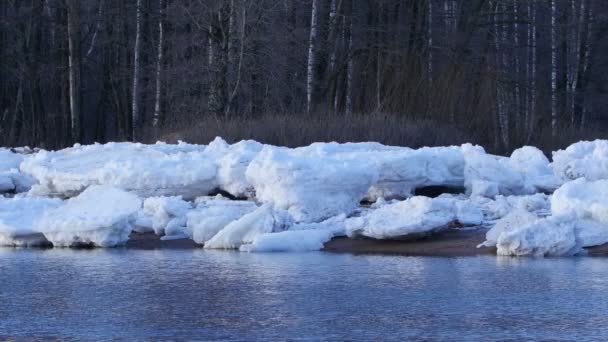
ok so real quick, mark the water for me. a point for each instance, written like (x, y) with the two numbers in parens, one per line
(129, 294)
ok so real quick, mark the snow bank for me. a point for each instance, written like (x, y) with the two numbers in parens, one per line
(414, 217)
(311, 189)
(19, 217)
(101, 216)
(289, 241)
(167, 215)
(244, 230)
(584, 159)
(147, 170)
(211, 215)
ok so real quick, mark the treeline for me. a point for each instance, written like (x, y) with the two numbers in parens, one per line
(505, 72)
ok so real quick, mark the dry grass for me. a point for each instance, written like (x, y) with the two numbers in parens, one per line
(303, 130)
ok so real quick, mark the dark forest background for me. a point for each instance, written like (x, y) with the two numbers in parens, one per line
(501, 73)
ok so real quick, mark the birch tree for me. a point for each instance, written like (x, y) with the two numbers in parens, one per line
(74, 68)
(313, 42)
(159, 66)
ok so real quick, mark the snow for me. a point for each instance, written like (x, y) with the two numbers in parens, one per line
(211, 215)
(414, 217)
(147, 170)
(311, 189)
(289, 241)
(100, 216)
(244, 230)
(585, 159)
(19, 217)
(167, 215)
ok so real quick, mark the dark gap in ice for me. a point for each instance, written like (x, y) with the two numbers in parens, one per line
(437, 190)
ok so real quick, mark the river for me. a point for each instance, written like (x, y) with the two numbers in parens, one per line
(217, 295)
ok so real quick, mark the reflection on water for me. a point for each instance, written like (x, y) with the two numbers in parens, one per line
(62, 293)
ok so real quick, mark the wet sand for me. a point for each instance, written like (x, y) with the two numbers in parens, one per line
(453, 242)
(449, 243)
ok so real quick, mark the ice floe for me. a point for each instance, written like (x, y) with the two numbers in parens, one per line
(147, 170)
(19, 220)
(100, 216)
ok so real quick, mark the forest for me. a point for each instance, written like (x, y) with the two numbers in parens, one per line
(501, 73)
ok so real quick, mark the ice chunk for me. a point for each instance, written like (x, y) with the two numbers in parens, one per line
(588, 199)
(552, 236)
(414, 217)
(535, 167)
(244, 230)
(514, 220)
(591, 233)
(311, 189)
(147, 170)
(402, 172)
(289, 241)
(166, 213)
(488, 175)
(100, 216)
(232, 161)
(468, 213)
(213, 214)
(584, 159)
(11, 179)
(18, 220)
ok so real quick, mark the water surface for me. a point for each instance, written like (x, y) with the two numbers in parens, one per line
(186, 294)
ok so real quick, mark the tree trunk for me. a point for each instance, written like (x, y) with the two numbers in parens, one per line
(74, 68)
(135, 101)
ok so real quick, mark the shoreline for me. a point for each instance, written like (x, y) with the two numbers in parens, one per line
(448, 243)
